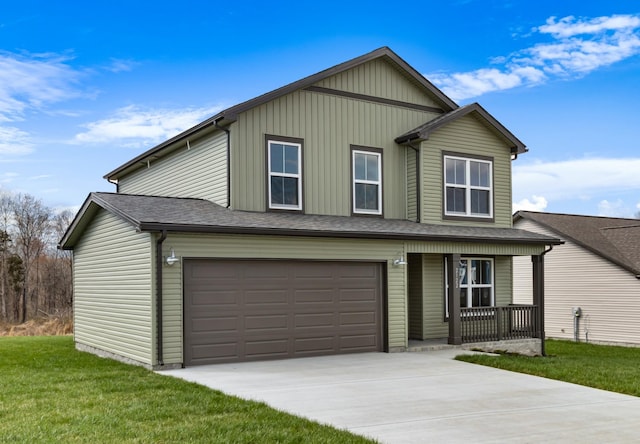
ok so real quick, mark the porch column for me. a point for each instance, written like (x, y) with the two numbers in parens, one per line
(538, 296)
(453, 295)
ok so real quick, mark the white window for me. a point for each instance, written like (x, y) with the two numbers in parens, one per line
(476, 282)
(468, 184)
(285, 175)
(367, 182)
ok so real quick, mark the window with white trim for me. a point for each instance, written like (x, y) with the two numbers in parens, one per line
(367, 182)
(285, 175)
(476, 279)
(468, 187)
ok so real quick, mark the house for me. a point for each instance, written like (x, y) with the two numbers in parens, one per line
(596, 270)
(327, 216)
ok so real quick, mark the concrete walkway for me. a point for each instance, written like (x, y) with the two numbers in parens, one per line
(428, 398)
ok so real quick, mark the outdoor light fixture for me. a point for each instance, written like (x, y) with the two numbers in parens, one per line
(172, 259)
(399, 261)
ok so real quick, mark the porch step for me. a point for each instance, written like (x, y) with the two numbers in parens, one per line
(430, 345)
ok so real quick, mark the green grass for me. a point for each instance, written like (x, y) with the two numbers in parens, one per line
(49, 392)
(616, 369)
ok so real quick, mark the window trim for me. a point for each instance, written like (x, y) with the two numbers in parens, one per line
(468, 286)
(468, 215)
(356, 149)
(299, 143)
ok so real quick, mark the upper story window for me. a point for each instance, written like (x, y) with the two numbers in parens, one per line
(367, 181)
(285, 174)
(468, 187)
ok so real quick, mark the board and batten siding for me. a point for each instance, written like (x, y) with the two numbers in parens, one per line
(113, 288)
(198, 171)
(379, 78)
(465, 136)
(608, 295)
(278, 247)
(328, 125)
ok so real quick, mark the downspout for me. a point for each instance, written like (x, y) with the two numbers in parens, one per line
(159, 242)
(228, 161)
(417, 150)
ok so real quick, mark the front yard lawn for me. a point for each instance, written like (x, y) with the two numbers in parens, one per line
(616, 369)
(49, 392)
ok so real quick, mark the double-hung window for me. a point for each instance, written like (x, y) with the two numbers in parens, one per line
(468, 187)
(367, 182)
(285, 175)
(476, 281)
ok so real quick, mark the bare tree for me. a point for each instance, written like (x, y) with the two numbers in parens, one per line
(31, 224)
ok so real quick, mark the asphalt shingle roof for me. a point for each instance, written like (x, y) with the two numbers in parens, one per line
(152, 213)
(615, 239)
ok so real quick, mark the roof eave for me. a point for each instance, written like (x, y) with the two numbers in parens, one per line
(186, 228)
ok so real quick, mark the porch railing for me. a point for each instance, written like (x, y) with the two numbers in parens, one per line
(498, 323)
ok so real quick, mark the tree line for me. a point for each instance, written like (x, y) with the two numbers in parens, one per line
(35, 277)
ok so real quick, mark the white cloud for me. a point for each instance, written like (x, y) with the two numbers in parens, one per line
(8, 177)
(14, 141)
(538, 203)
(121, 65)
(576, 178)
(136, 126)
(579, 46)
(33, 81)
(569, 26)
(579, 179)
(617, 208)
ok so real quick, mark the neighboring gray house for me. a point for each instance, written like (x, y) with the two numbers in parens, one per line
(597, 269)
(327, 216)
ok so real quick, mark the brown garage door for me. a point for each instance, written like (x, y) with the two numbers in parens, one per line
(254, 310)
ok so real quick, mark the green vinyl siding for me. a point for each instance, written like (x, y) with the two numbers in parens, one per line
(275, 247)
(328, 125)
(113, 289)
(198, 170)
(466, 136)
(379, 78)
(434, 308)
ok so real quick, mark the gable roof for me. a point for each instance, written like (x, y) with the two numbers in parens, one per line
(230, 114)
(615, 239)
(173, 214)
(423, 131)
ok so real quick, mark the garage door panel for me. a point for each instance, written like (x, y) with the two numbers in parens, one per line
(266, 297)
(314, 320)
(365, 319)
(215, 324)
(250, 310)
(265, 322)
(313, 295)
(358, 342)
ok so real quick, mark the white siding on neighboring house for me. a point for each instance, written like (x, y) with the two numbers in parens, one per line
(113, 287)
(608, 295)
(199, 171)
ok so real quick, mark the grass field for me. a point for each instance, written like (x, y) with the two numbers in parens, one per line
(616, 369)
(49, 392)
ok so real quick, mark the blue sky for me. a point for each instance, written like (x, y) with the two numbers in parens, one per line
(83, 89)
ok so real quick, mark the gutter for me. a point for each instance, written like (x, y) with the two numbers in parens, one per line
(159, 241)
(215, 124)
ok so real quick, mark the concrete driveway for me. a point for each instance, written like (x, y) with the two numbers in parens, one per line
(428, 397)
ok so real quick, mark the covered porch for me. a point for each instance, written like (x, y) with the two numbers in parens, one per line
(466, 301)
